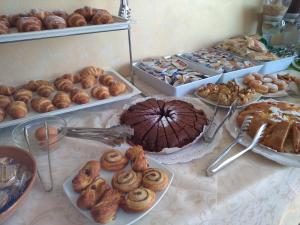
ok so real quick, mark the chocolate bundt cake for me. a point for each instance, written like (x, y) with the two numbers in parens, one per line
(160, 124)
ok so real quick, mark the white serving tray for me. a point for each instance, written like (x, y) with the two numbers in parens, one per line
(120, 24)
(131, 91)
(277, 65)
(122, 218)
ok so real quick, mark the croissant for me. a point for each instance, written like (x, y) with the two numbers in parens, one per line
(55, 22)
(27, 24)
(14, 19)
(106, 210)
(91, 70)
(23, 95)
(117, 88)
(74, 78)
(79, 96)
(101, 92)
(76, 20)
(87, 12)
(17, 109)
(88, 81)
(106, 80)
(4, 101)
(102, 17)
(2, 114)
(61, 100)
(3, 28)
(4, 19)
(61, 13)
(7, 90)
(45, 90)
(62, 84)
(34, 84)
(39, 13)
(41, 105)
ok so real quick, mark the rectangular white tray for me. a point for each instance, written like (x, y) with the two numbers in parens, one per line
(131, 91)
(277, 65)
(120, 24)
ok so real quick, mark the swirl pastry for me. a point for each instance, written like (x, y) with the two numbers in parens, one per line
(45, 90)
(86, 175)
(4, 19)
(61, 100)
(27, 24)
(39, 13)
(126, 181)
(91, 70)
(133, 152)
(106, 210)
(87, 12)
(41, 105)
(62, 84)
(79, 96)
(55, 22)
(102, 17)
(23, 95)
(3, 28)
(2, 114)
(92, 194)
(4, 101)
(100, 92)
(138, 200)
(7, 90)
(76, 20)
(113, 160)
(155, 179)
(117, 88)
(17, 109)
(34, 84)
(73, 78)
(61, 13)
(88, 81)
(106, 80)
(140, 163)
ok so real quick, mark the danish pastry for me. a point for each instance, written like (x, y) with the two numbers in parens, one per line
(102, 17)
(155, 179)
(106, 80)
(86, 175)
(23, 95)
(76, 20)
(4, 101)
(62, 84)
(100, 92)
(79, 96)
(34, 84)
(87, 12)
(140, 163)
(3, 28)
(126, 181)
(27, 24)
(138, 200)
(55, 22)
(106, 210)
(91, 70)
(88, 81)
(61, 13)
(41, 105)
(134, 151)
(45, 90)
(61, 100)
(17, 109)
(92, 194)
(2, 114)
(113, 160)
(7, 90)
(117, 88)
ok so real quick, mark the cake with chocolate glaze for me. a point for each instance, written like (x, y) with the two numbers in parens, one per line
(160, 124)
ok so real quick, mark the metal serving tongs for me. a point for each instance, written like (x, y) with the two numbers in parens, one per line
(218, 164)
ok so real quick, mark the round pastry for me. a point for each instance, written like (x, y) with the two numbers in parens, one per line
(102, 17)
(28, 24)
(126, 181)
(76, 20)
(3, 28)
(87, 12)
(106, 80)
(17, 109)
(138, 200)
(117, 88)
(88, 81)
(79, 96)
(41, 105)
(40, 133)
(91, 70)
(262, 89)
(34, 84)
(248, 78)
(61, 13)
(62, 84)
(273, 88)
(7, 90)
(254, 83)
(160, 124)
(4, 101)
(55, 22)
(23, 95)
(45, 90)
(155, 179)
(282, 85)
(2, 114)
(61, 100)
(113, 160)
(100, 92)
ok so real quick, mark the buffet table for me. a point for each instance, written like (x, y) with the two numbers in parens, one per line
(253, 190)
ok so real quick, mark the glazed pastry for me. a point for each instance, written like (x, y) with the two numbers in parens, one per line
(133, 152)
(117, 88)
(79, 96)
(54, 22)
(92, 194)
(17, 109)
(155, 179)
(61, 13)
(40, 133)
(3, 28)
(140, 163)
(28, 24)
(102, 17)
(138, 200)
(61, 100)
(23, 95)
(273, 88)
(106, 80)
(62, 84)
(262, 89)
(34, 84)
(88, 81)
(4, 20)
(100, 92)
(41, 105)
(106, 210)
(126, 181)
(45, 90)
(7, 90)
(91, 70)
(39, 13)
(73, 78)
(86, 175)
(4, 101)
(2, 114)
(87, 12)
(113, 160)
(76, 20)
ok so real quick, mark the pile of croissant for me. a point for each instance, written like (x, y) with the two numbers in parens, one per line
(38, 19)
(133, 190)
(44, 96)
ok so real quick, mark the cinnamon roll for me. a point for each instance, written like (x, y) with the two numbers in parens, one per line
(113, 160)
(155, 179)
(126, 181)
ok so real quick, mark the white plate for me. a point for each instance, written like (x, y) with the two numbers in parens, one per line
(122, 218)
